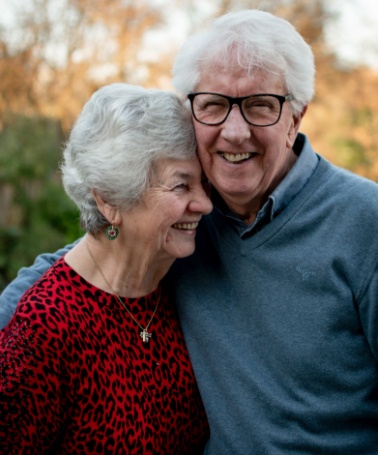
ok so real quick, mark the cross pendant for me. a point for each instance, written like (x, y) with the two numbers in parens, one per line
(145, 336)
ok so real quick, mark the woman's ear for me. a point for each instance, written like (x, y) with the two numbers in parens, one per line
(109, 212)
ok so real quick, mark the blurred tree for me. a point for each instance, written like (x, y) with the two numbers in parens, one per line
(66, 49)
(57, 52)
(51, 60)
(35, 214)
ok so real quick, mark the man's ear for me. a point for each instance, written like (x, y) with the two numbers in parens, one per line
(294, 127)
(109, 212)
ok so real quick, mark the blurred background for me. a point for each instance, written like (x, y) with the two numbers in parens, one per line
(55, 53)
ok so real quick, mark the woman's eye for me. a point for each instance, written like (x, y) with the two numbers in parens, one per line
(180, 186)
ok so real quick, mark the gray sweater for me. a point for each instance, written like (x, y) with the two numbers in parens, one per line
(282, 325)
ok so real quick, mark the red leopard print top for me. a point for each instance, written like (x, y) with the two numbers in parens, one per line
(76, 378)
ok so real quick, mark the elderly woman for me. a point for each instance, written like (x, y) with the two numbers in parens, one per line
(94, 360)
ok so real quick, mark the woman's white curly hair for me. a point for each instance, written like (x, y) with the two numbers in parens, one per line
(121, 132)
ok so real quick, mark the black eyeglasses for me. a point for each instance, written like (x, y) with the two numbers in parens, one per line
(259, 110)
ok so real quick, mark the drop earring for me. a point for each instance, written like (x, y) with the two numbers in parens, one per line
(112, 232)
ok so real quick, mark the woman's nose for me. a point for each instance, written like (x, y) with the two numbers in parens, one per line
(201, 203)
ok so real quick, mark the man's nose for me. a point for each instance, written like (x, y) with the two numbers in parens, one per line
(235, 129)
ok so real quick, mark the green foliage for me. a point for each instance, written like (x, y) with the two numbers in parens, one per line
(35, 214)
(362, 116)
(351, 154)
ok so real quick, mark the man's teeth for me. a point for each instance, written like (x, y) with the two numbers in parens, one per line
(185, 226)
(236, 157)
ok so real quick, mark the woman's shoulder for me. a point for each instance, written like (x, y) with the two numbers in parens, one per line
(52, 287)
(49, 304)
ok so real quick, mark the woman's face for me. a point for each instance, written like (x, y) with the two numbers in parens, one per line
(165, 220)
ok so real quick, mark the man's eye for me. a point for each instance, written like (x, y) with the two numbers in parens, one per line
(254, 104)
(214, 105)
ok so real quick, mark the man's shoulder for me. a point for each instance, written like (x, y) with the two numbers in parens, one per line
(348, 184)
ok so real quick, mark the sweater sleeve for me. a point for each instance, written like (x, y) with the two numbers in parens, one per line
(26, 277)
(368, 311)
(32, 404)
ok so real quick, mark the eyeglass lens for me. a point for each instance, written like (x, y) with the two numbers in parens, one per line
(260, 110)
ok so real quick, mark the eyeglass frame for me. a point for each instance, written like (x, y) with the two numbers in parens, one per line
(238, 101)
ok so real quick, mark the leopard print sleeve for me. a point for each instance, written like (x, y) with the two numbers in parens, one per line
(32, 399)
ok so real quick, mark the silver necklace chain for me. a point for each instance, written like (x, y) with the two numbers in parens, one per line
(144, 334)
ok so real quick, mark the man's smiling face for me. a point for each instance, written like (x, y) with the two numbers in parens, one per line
(245, 163)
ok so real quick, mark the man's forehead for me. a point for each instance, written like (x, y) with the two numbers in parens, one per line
(237, 81)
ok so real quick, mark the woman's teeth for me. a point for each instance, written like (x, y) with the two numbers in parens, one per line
(185, 226)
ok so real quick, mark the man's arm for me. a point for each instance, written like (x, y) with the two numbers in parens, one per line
(26, 277)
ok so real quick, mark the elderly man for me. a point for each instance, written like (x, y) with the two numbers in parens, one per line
(279, 303)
